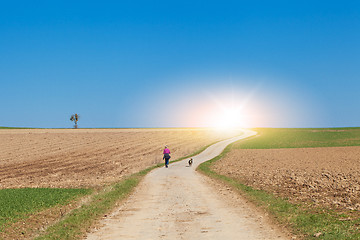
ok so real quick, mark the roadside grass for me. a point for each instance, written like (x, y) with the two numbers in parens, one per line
(19, 204)
(302, 220)
(76, 223)
(301, 138)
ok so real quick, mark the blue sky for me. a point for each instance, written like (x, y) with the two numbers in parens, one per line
(173, 63)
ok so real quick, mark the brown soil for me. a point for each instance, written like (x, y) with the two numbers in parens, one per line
(327, 177)
(89, 157)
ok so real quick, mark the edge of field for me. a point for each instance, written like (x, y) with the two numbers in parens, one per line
(302, 222)
(80, 220)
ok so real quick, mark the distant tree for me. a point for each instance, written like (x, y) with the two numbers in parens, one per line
(75, 118)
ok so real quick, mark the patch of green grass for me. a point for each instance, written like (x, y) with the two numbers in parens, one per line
(301, 138)
(303, 220)
(17, 204)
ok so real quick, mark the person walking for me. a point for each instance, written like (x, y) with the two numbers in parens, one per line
(166, 155)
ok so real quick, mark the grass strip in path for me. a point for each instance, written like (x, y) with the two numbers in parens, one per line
(76, 223)
(302, 221)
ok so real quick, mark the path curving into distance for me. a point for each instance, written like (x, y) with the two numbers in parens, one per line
(179, 203)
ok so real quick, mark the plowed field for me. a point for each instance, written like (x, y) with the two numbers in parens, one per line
(320, 176)
(89, 157)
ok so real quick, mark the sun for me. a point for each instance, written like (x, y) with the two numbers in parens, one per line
(227, 111)
(229, 118)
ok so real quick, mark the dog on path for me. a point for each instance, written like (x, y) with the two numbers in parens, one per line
(190, 162)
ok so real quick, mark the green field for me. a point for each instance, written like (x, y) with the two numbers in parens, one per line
(300, 219)
(301, 137)
(18, 204)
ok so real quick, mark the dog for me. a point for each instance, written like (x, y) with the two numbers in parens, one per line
(190, 162)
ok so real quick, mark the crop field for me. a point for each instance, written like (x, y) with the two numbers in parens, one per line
(329, 176)
(69, 158)
(318, 168)
(326, 176)
(302, 138)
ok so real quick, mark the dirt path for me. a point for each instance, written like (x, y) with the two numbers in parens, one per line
(179, 203)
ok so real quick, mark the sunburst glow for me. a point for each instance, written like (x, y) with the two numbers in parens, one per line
(229, 118)
(224, 110)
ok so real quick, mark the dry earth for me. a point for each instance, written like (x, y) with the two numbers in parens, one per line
(321, 176)
(89, 157)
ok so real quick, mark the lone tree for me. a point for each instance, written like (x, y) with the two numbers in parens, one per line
(75, 118)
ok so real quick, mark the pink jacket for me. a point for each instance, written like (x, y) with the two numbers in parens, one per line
(166, 150)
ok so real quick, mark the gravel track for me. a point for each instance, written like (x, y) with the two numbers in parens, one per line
(179, 203)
